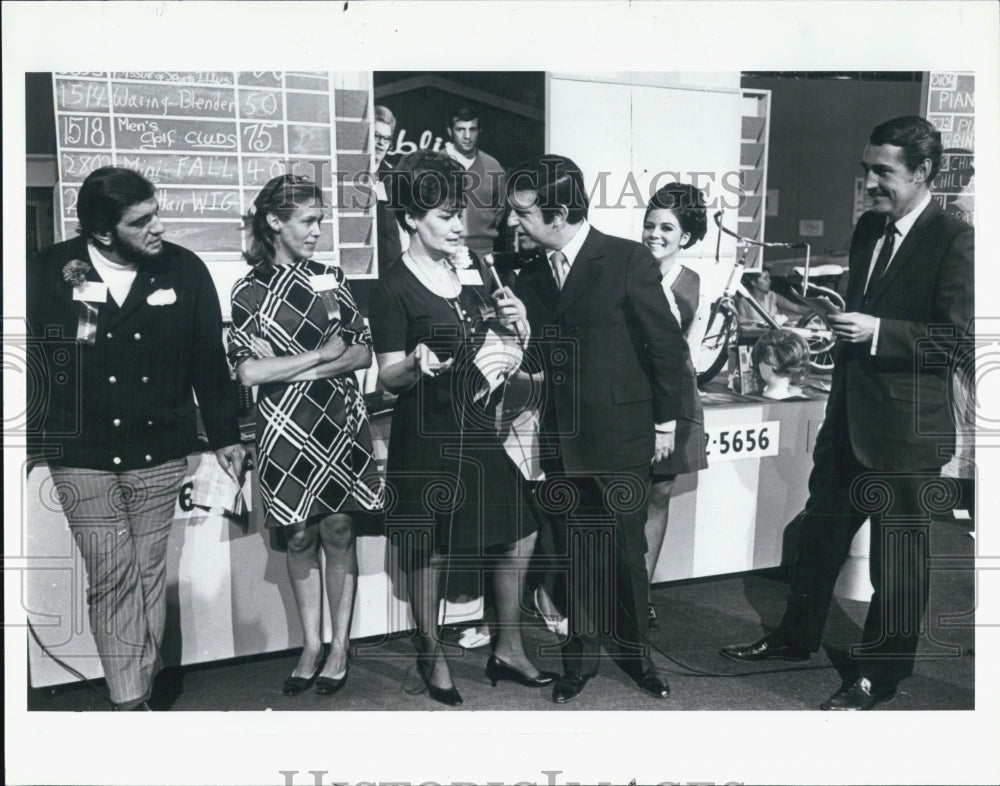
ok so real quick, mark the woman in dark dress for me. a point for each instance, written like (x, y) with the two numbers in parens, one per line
(676, 219)
(453, 495)
(297, 334)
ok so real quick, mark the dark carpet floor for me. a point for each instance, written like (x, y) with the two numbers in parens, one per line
(697, 617)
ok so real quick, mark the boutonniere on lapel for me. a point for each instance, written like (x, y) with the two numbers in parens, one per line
(162, 297)
(87, 294)
(75, 272)
(461, 259)
(465, 267)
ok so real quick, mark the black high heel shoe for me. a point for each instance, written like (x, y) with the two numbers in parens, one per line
(293, 686)
(447, 696)
(327, 686)
(497, 670)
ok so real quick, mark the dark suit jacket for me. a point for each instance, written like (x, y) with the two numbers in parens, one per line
(129, 395)
(895, 404)
(613, 354)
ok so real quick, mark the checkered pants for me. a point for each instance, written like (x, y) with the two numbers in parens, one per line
(121, 523)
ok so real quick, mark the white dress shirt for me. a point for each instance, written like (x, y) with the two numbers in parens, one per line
(903, 227)
(572, 249)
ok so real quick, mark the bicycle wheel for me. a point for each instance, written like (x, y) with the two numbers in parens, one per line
(723, 327)
(820, 340)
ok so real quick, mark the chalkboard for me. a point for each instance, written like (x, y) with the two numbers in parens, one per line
(951, 106)
(209, 140)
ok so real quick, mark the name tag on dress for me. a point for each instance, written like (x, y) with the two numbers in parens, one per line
(469, 277)
(324, 282)
(92, 292)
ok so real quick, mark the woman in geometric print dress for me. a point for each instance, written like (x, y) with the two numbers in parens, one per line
(298, 335)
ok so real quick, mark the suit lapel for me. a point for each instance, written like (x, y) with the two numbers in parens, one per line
(584, 272)
(903, 255)
(545, 284)
(860, 263)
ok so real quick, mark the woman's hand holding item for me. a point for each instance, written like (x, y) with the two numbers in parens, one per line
(427, 363)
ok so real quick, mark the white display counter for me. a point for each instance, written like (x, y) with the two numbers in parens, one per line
(228, 592)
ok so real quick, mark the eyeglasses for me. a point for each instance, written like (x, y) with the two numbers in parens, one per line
(385, 139)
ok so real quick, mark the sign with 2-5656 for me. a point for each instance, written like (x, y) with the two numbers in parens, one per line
(742, 440)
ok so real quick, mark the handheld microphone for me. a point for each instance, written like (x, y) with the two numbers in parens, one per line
(488, 261)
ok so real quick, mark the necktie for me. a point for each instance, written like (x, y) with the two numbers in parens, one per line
(560, 267)
(885, 254)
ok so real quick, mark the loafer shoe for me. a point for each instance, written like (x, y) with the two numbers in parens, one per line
(652, 683)
(568, 687)
(859, 695)
(766, 648)
(142, 706)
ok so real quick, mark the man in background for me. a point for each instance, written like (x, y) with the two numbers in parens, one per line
(390, 241)
(485, 197)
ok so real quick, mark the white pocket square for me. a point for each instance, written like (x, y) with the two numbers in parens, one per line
(162, 297)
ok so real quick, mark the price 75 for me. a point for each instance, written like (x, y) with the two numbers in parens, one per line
(739, 441)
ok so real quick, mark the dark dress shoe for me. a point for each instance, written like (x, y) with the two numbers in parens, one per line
(569, 686)
(653, 684)
(293, 686)
(327, 686)
(768, 648)
(448, 696)
(142, 706)
(859, 695)
(497, 670)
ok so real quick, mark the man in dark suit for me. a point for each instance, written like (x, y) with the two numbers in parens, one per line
(125, 327)
(613, 358)
(888, 427)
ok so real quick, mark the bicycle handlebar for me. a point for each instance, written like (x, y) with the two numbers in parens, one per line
(764, 244)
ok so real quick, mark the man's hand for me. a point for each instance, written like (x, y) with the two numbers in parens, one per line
(231, 459)
(664, 445)
(510, 310)
(853, 327)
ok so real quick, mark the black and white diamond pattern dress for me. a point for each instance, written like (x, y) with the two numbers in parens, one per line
(315, 445)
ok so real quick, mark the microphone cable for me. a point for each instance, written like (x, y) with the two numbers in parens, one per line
(692, 671)
(80, 677)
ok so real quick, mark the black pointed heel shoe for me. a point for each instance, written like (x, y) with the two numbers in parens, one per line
(327, 686)
(446, 696)
(293, 686)
(497, 670)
